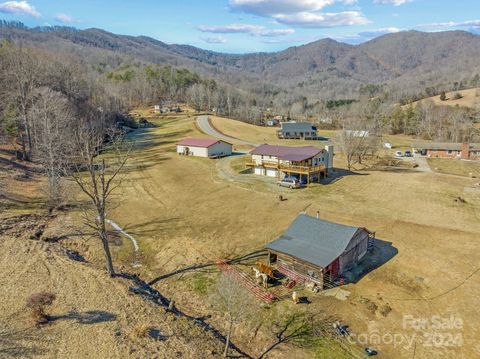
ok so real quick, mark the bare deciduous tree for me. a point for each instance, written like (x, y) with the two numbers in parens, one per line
(52, 116)
(98, 176)
(22, 69)
(355, 145)
(234, 300)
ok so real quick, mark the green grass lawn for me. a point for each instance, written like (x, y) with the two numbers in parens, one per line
(455, 167)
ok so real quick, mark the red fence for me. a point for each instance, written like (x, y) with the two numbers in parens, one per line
(247, 282)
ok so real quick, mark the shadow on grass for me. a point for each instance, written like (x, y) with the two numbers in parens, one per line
(196, 267)
(149, 293)
(89, 317)
(151, 227)
(144, 138)
(156, 334)
(338, 173)
(381, 253)
(19, 343)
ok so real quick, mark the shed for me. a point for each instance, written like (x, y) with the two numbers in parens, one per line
(319, 250)
(204, 147)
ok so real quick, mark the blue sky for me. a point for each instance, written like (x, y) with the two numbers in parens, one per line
(249, 25)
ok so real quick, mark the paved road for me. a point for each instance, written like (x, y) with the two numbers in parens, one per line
(206, 127)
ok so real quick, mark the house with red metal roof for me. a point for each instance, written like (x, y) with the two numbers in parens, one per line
(306, 163)
(204, 147)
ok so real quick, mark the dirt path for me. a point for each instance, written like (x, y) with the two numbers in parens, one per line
(422, 164)
(205, 126)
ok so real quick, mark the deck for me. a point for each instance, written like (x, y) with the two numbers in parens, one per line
(289, 169)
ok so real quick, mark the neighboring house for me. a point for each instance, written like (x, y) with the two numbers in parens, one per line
(204, 147)
(315, 250)
(157, 108)
(326, 120)
(297, 130)
(271, 122)
(305, 162)
(464, 151)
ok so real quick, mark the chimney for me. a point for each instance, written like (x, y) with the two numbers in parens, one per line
(465, 151)
(318, 214)
(329, 150)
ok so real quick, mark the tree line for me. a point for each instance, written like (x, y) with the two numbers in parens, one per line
(52, 113)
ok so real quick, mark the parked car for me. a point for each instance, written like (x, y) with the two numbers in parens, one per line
(408, 153)
(290, 182)
(387, 145)
(398, 154)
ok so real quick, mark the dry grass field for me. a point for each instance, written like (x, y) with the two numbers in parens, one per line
(183, 213)
(455, 167)
(188, 211)
(470, 98)
(259, 134)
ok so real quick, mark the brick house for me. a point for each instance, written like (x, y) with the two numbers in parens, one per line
(463, 151)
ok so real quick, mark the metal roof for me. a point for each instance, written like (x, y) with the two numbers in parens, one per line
(297, 127)
(313, 240)
(287, 153)
(199, 142)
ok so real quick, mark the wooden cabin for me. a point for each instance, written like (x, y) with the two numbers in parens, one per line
(315, 250)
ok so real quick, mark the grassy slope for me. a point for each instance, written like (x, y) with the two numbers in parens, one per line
(107, 321)
(455, 167)
(470, 98)
(182, 213)
(260, 134)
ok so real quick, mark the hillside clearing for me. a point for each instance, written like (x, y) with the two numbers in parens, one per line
(470, 98)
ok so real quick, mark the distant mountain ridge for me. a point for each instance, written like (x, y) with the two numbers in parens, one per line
(406, 61)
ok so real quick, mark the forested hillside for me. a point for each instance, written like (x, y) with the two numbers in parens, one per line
(324, 81)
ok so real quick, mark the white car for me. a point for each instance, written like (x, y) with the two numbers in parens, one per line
(387, 145)
(398, 154)
(289, 182)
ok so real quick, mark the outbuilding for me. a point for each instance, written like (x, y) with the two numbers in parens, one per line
(319, 251)
(204, 147)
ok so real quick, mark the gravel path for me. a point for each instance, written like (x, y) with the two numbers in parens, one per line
(422, 164)
(206, 127)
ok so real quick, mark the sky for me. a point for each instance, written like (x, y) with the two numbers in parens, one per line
(243, 26)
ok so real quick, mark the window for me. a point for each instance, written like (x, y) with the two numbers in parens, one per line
(450, 152)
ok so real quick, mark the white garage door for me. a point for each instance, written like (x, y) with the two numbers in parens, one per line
(271, 173)
(259, 171)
